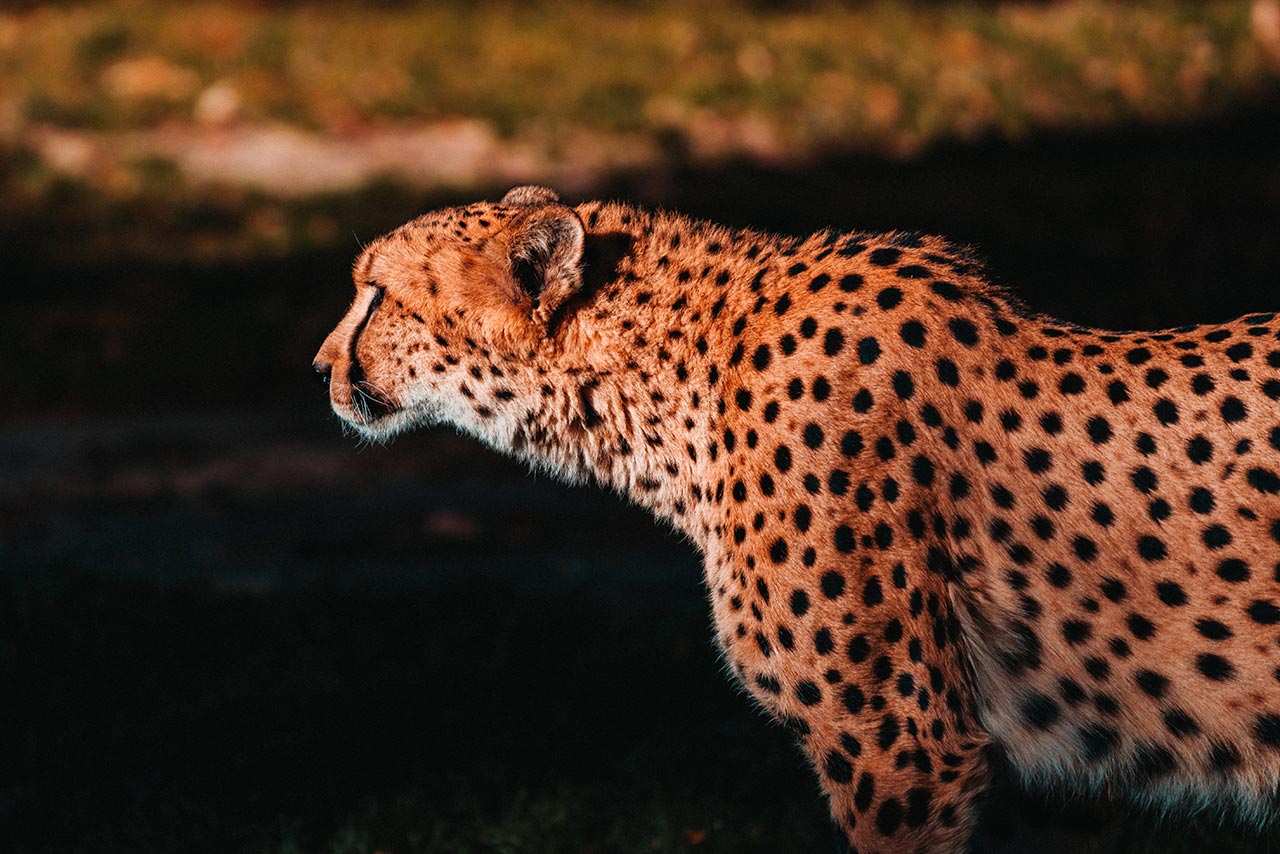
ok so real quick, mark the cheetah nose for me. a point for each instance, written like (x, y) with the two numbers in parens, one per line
(324, 369)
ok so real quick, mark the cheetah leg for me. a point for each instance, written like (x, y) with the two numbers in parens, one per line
(920, 796)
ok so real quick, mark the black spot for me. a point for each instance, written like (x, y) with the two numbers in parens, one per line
(838, 768)
(889, 298)
(913, 333)
(885, 256)
(1099, 430)
(1071, 383)
(1166, 411)
(1264, 612)
(1151, 761)
(918, 806)
(1171, 593)
(1199, 450)
(1140, 626)
(769, 685)
(761, 358)
(903, 386)
(872, 592)
(1059, 576)
(1055, 497)
(888, 732)
(949, 292)
(922, 470)
(1071, 691)
(832, 584)
(1233, 410)
(1143, 479)
(1214, 667)
(1233, 570)
(1264, 480)
(1038, 460)
(808, 693)
(889, 817)
(778, 550)
(1223, 758)
(834, 342)
(1097, 741)
(1201, 500)
(1151, 682)
(868, 350)
(844, 539)
(822, 641)
(1039, 711)
(813, 436)
(1152, 548)
(1239, 352)
(1266, 727)
(1076, 632)
(1216, 537)
(763, 643)
(1113, 589)
(948, 374)
(1212, 629)
(963, 331)
(865, 792)
(1179, 723)
(1118, 392)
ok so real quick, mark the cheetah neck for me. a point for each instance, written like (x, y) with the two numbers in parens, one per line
(667, 362)
(632, 387)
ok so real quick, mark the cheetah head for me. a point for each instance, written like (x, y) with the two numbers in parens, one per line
(446, 307)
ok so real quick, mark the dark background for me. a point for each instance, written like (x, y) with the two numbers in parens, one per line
(226, 627)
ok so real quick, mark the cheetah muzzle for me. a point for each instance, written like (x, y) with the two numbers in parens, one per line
(934, 524)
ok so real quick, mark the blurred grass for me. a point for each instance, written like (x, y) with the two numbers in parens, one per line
(100, 102)
(889, 73)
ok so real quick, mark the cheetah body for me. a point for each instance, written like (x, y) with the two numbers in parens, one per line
(933, 523)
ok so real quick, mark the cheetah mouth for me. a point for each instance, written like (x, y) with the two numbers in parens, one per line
(366, 409)
(370, 403)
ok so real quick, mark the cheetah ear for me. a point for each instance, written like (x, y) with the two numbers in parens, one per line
(544, 247)
(530, 194)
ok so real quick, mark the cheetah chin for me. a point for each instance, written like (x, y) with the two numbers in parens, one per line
(940, 532)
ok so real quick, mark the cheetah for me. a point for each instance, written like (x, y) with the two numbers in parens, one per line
(938, 529)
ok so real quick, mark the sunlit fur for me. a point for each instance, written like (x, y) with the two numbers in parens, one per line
(935, 525)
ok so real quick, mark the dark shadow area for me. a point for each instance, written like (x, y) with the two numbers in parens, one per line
(223, 627)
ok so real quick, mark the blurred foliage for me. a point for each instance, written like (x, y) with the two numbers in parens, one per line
(893, 73)
(208, 114)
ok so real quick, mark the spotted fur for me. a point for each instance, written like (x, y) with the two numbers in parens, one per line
(934, 524)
